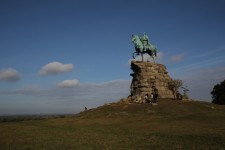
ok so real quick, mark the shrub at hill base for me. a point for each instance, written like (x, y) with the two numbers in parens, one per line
(218, 93)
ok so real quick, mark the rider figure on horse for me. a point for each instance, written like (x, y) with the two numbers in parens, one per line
(145, 41)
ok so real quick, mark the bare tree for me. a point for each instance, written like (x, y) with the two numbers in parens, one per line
(174, 85)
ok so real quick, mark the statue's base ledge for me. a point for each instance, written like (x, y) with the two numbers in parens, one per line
(135, 62)
(140, 98)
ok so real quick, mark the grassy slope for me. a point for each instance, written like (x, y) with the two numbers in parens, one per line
(170, 125)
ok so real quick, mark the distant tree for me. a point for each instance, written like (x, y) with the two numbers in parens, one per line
(174, 85)
(218, 94)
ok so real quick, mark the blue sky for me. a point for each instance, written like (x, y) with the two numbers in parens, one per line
(58, 56)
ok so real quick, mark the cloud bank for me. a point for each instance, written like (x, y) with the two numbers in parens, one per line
(10, 75)
(54, 68)
(201, 81)
(38, 100)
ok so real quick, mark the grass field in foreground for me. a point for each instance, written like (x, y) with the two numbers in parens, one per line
(170, 125)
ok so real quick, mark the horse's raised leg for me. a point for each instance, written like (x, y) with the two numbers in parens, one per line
(153, 59)
(133, 55)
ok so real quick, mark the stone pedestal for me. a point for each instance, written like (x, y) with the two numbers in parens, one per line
(146, 77)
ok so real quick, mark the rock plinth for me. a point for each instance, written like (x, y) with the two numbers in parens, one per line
(146, 77)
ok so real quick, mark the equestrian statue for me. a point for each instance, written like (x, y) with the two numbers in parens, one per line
(143, 45)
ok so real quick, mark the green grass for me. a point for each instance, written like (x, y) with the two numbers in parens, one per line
(170, 125)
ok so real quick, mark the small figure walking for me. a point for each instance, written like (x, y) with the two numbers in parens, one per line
(85, 109)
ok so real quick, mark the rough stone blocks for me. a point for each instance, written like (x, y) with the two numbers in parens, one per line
(146, 76)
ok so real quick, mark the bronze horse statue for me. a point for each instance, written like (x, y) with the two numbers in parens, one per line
(142, 46)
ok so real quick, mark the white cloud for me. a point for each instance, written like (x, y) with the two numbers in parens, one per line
(68, 83)
(10, 75)
(55, 68)
(176, 58)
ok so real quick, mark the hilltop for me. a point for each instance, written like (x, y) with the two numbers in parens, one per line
(169, 125)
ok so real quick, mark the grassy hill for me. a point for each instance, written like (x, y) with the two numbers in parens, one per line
(169, 125)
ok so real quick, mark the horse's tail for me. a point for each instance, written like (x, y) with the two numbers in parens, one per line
(155, 52)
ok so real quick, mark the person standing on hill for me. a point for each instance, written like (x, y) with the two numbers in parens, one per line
(152, 97)
(155, 96)
(147, 98)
